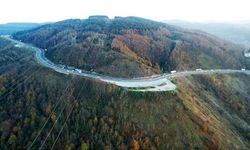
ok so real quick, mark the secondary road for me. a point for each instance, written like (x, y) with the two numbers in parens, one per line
(151, 83)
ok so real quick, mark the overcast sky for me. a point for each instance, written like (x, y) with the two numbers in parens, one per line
(189, 10)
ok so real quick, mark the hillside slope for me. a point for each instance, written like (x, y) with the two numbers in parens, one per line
(131, 46)
(207, 112)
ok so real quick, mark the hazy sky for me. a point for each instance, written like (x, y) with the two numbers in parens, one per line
(189, 10)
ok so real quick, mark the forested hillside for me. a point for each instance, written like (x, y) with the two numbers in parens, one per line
(131, 46)
(206, 112)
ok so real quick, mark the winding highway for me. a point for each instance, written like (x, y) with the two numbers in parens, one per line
(151, 83)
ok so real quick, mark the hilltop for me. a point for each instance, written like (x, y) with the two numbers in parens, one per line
(37, 103)
(131, 46)
(206, 112)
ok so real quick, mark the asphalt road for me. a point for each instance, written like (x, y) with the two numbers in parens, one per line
(151, 83)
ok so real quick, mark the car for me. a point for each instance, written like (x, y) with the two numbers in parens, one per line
(243, 69)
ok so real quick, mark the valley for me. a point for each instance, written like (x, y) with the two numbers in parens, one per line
(101, 83)
(131, 46)
(153, 83)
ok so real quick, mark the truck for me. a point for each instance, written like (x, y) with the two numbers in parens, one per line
(78, 70)
(173, 71)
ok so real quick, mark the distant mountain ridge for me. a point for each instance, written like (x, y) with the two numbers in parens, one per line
(10, 28)
(235, 32)
(131, 46)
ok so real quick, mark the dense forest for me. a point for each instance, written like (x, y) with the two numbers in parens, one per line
(40, 108)
(131, 46)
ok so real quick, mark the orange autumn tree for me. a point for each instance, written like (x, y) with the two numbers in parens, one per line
(135, 145)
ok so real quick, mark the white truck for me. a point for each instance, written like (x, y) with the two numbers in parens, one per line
(173, 71)
(198, 69)
(79, 70)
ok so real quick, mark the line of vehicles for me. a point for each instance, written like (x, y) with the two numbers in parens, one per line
(199, 69)
(174, 71)
(69, 69)
(72, 69)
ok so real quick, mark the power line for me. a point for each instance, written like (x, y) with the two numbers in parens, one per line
(21, 75)
(52, 127)
(40, 131)
(65, 121)
(24, 71)
(22, 81)
(62, 127)
(5, 94)
(23, 58)
(10, 85)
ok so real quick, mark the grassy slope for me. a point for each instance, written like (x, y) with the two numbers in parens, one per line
(109, 117)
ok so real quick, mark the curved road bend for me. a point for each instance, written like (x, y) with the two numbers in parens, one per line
(151, 83)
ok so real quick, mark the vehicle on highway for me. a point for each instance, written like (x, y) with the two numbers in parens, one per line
(144, 82)
(173, 71)
(79, 70)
